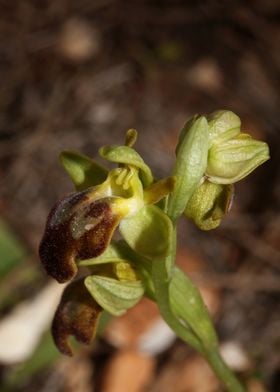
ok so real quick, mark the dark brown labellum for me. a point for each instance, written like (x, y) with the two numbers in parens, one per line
(96, 239)
(77, 315)
(76, 229)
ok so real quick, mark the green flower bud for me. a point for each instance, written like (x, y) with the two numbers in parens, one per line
(234, 159)
(208, 205)
(223, 126)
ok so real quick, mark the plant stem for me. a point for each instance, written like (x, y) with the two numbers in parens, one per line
(162, 273)
(223, 372)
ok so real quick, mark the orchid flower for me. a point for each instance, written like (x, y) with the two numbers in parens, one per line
(119, 229)
(81, 225)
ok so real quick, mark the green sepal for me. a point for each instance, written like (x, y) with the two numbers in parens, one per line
(184, 132)
(209, 204)
(148, 232)
(128, 156)
(112, 254)
(187, 304)
(231, 161)
(191, 162)
(118, 253)
(83, 171)
(113, 295)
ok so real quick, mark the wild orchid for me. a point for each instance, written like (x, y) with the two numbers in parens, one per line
(212, 154)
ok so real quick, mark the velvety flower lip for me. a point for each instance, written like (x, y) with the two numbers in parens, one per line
(57, 248)
(77, 315)
(76, 228)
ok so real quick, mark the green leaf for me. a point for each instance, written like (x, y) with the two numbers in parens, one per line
(84, 171)
(148, 232)
(128, 156)
(112, 295)
(187, 304)
(190, 164)
(209, 204)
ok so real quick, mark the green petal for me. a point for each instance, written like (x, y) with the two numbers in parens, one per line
(131, 137)
(158, 190)
(128, 156)
(148, 232)
(84, 171)
(113, 295)
(190, 164)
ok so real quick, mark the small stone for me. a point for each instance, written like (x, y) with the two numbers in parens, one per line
(235, 356)
(21, 330)
(128, 371)
(141, 328)
(78, 40)
(206, 75)
(254, 385)
(126, 331)
(189, 375)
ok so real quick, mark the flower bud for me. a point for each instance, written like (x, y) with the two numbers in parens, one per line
(223, 126)
(208, 204)
(232, 160)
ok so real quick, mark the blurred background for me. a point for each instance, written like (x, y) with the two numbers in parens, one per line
(77, 75)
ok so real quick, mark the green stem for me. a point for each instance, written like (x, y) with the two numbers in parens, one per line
(162, 272)
(223, 372)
